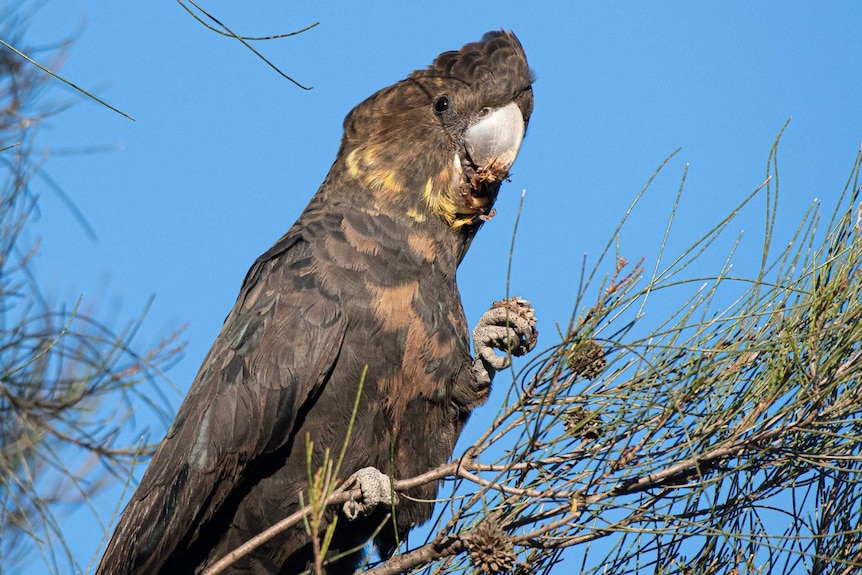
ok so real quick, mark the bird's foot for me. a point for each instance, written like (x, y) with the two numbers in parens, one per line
(509, 326)
(376, 488)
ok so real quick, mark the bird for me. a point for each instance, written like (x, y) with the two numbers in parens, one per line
(360, 291)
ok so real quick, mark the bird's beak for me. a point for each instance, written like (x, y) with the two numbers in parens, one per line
(493, 142)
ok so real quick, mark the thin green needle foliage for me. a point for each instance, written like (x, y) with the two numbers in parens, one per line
(723, 438)
(71, 385)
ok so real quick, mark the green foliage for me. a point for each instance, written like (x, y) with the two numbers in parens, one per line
(69, 383)
(724, 440)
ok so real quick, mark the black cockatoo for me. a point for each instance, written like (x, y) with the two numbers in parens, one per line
(363, 281)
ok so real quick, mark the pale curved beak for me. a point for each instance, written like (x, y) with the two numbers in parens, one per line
(493, 142)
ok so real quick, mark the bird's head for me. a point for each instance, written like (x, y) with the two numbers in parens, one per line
(439, 143)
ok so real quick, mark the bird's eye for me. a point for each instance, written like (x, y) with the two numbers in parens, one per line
(441, 104)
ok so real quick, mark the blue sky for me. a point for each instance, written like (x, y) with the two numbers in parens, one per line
(224, 153)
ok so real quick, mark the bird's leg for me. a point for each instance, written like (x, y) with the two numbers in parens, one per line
(509, 326)
(376, 489)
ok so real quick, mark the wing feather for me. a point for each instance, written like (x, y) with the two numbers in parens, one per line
(241, 406)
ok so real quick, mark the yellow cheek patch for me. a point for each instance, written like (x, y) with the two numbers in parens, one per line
(439, 200)
(353, 164)
(416, 215)
(360, 165)
(440, 194)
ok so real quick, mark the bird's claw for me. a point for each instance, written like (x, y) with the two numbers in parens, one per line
(509, 326)
(376, 488)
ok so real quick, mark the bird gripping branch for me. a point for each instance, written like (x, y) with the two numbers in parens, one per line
(365, 279)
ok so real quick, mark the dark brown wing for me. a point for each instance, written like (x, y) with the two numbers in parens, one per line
(276, 348)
